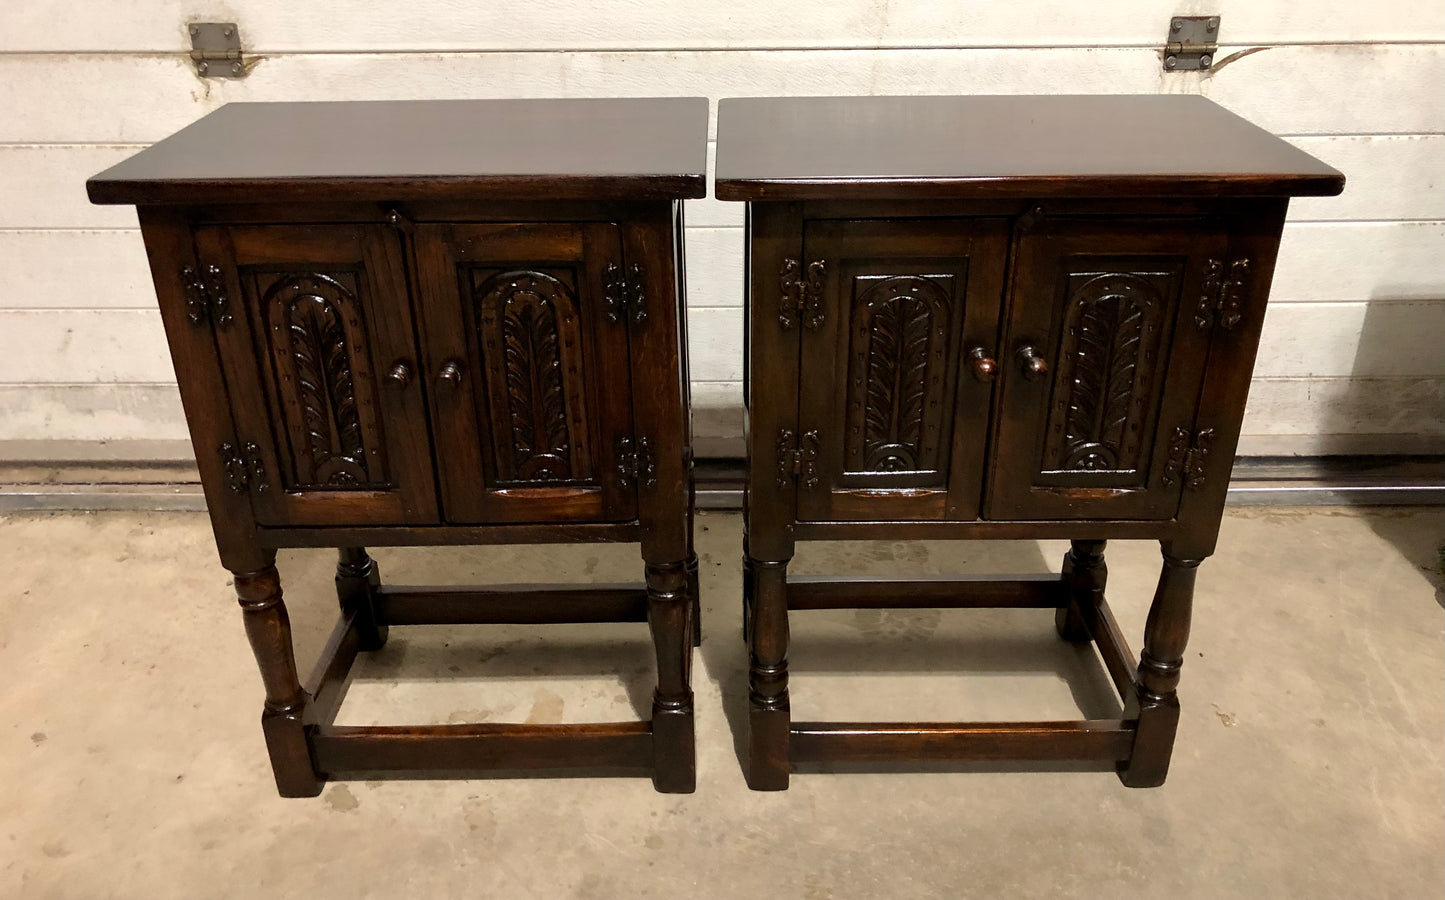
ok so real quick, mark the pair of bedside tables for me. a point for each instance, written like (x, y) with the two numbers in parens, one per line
(463, 322)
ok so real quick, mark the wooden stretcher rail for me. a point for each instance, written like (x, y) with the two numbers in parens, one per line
(341, 750)
(512, 604)
(945, 592)
(1097, 739)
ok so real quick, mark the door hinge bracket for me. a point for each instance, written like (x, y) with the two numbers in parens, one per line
(1191, 44)
(802, 294)
(635, 462)
(1222, 298)
(216, 50)
(243, 467)
(625, 296)
(797, 458)
(205, 291)
(1188, 458)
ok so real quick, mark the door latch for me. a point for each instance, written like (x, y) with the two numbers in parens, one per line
(624, 294)
(802, 294)
(798, 458)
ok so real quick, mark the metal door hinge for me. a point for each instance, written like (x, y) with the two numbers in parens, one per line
(243, 467)
(216, 50)
(1191, 43)
(624, 294)
(1223, 293)
(802, 294)
(205, 291)
(1188, 455)
(798, 458)
(635, 462)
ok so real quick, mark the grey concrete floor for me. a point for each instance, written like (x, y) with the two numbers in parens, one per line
(1309, 762)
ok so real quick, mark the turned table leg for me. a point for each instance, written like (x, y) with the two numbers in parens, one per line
(357, 579)
(668, 608)
(1165, 634)
(1085, 573)
(269, 631)
(769, 716)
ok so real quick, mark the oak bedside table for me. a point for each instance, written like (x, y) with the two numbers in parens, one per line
(425, 323)
(996, 317)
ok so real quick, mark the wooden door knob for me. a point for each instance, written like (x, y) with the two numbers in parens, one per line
(983, 366)
(450, 375)
(1033, 364)
(399, 376)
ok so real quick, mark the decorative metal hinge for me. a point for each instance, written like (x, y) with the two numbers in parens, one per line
(635, 462)
(802, 295)
(205, 296)
(798, 459)
(216, 50)
(1191, 43)
(243, 467)
(1223, 294)
(625, 295)
(1188, 456)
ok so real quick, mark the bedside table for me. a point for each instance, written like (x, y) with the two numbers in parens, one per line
(996, 317)
(426, 323)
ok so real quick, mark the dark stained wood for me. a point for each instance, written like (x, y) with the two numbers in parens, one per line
(1095, 739)
(1005, 146)
(512, 604)
(454, 535)
(403, 324)
(943, 592)
(328, 680)
(422, 149)
(1113, 258)
(462, 750)
(529, 379)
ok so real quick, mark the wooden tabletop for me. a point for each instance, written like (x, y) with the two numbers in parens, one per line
(403, 150)
(1003, 146)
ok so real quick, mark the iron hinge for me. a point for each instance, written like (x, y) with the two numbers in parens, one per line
(216, 50)
(243, 467)
(1222, 297)
(624, 294)
(1191, 43)
(1188, 457)
(635, 462)
(205, 290)
(797, 458)
(802, 294)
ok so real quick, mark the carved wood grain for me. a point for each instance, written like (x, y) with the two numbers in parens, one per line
(316, 341)
(530, 334)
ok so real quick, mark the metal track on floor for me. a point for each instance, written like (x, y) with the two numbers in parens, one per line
(1258, 481)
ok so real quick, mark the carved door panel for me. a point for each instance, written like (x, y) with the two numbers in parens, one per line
(526, 346)
(892, 421)
(1101, 368)
(317, 344)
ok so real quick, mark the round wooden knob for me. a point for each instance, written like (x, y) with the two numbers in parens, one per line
(450, 375)
(981, 364)
(1034, 366)
(399, 376)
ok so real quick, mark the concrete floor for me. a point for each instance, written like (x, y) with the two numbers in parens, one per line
(1309, 761)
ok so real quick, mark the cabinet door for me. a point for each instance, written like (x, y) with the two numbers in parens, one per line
(532, 392)
(319, 355)
(892, 423)
(1101, 368)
